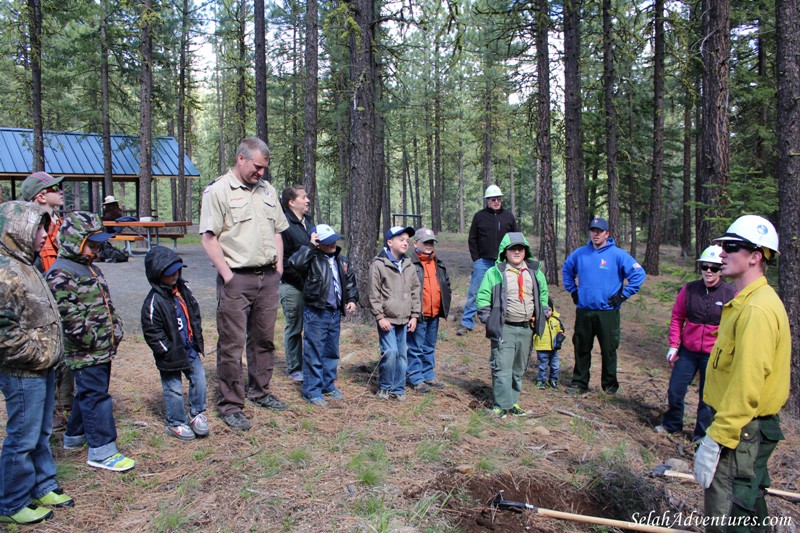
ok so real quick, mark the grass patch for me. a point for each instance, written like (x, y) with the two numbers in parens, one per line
(270, 463)
(430, 451)
(424, 404)
(369, 464)
(377, 513)
(337, 443)
(299, 455)
(477, 420)
(485, 464)
(201, 454)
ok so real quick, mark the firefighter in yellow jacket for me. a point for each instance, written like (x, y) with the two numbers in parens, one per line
(747, 383)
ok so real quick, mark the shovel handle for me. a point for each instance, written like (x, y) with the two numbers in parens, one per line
(768, 490)
(606, 521)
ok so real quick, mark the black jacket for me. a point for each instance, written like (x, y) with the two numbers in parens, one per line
(294, 237)
(159, 315)
(487, 230)
(312, 265)
(441, 275)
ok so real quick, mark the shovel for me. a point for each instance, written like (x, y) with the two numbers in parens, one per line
(664, 470)
(517, 507)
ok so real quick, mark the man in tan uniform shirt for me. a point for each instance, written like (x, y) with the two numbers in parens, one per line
(240, 224)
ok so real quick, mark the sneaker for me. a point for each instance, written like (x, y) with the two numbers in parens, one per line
(399, 397)
(237, 421)
(30, 514)
(270, 402)
(421, 387)
(382, 394)
(181, 431)
(297, 376)
(462, 330)
(335, 394)
(661, 430)
(498, 412)
(553, 384)
(576, 390)
(435, 384)
(55, 498)
(319, 401)
(115, 463)
(540, 385)
(199, 425)
(516, 410)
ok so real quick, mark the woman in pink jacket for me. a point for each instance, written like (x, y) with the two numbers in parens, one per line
(692, 333)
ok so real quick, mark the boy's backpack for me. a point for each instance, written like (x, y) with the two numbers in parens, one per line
(558, 340)
(109, 254)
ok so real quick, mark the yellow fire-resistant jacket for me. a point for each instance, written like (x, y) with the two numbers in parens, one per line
(749, 367)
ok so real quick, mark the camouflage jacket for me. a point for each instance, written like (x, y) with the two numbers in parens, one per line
(30, 328)
(92, 330)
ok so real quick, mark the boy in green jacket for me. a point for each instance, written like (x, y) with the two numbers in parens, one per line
(512, 302)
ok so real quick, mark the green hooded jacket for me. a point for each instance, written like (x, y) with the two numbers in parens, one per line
(30, 328)
(493, 294)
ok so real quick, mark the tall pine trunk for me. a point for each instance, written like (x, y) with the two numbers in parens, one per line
(146, 108)
(35, 22)
(260, 61)
(547, 243)
(105, 112)
(311, 88)
(610, 118)
(576, 221)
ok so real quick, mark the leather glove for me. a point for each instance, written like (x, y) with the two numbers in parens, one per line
(672, 356)
(574, 297)
(616, 300)
(705, 461)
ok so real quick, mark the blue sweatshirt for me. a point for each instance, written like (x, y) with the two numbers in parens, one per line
(601, 274)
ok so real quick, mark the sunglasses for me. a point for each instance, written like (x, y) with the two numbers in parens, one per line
(495, 199)
(731, 247)
(712, 268)
(52, 188)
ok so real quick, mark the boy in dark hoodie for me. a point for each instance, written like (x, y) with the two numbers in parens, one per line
(512, 302)
(30, 348)
(172, 328)
(329, 291)
(92, 333)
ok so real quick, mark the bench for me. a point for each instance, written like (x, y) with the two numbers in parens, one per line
(127, 239)
(174, 235)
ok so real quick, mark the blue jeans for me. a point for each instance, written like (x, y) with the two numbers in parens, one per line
(421, 349)
(687, 365)
(92, 419)
(27, 468)
(479, 268)
(292, 303)
(548, 359)
(394, 359)
(320, 350)
(173, 392)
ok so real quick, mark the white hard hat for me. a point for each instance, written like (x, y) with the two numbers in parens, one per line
(492, 191)
(754, 230)
(711, 255)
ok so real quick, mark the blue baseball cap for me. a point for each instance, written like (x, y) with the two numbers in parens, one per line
(598, 223)
(326, 234)
(174, 267)
(394, 231)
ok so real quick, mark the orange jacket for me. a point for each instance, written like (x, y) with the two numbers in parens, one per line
(50, 249)
(431, 292)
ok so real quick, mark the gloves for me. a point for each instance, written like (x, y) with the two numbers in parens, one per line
(672, 356)
(705, 461)
(616, 300)
(574, 297)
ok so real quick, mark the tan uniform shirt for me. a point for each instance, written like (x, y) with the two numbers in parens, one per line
(519, 310)
(245, 221)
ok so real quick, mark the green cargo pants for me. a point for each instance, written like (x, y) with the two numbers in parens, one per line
(735, 500)
(508, 362)
(604, 325)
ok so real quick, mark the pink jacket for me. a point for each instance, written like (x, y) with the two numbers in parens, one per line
(696, 315)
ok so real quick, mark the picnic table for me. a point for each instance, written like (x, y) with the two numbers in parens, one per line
(149, 232)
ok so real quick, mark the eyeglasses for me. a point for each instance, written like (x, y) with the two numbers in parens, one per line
(52, 188)
(731, 247)
(712, 268)
(495, 199)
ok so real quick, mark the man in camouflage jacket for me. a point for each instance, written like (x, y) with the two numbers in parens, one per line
(92, 332)
(30, 348)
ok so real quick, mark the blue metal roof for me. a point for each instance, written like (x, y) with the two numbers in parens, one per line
(81, 155)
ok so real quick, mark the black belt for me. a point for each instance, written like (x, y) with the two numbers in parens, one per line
(263, 269)
(518, 324)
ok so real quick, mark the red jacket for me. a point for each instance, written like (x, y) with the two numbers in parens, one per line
(696, 314)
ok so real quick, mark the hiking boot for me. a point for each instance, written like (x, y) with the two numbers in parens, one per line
(661, 430)
(462, 330)
(540, 385)
(237, 421)
(382, 394)
(115, 463)
(297, 376)
(611, 390)
(199, 425)
(576, 390)
(181, 431)
(435, 384)
(55, 498)
(399, 397)
(30, 514)
(553, 384)
(421, 387)
(319, 401)
(334, 394)
(269, 401)
(498, 412)
(516, 410)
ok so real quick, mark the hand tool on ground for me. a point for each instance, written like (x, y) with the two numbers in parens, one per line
(665, 470)
(499, 502)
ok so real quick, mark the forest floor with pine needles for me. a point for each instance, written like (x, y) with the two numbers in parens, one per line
(431, 464)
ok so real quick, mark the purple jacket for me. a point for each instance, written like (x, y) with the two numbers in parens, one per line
(696, 314)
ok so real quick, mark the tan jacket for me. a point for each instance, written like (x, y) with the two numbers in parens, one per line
(394, 294)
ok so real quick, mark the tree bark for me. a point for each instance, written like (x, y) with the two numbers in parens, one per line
(576, 221)
(547, 243)
(788, 40)
(105, 119)
(146, 109)
(35, 19)
(311, 89)
(686, 211)
(260, 61)
(241, 70)
(180, 206)
(610, 118)
(651, 255)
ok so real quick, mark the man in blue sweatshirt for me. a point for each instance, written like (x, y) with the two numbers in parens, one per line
(601, 269)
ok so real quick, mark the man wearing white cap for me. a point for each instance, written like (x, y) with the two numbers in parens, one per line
(489, 226)
(747, 382)
(111, 209)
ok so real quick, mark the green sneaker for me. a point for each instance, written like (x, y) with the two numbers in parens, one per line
(540, 385)
(516, 410)
(115, 463)
(31, 514)
(55, 498)
(498, 412)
